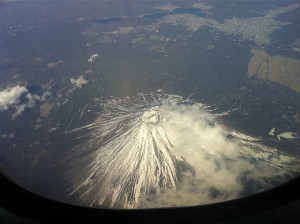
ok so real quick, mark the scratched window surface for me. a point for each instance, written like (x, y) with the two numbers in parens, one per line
(149, 104)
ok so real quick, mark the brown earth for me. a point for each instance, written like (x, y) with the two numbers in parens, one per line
(279, 69)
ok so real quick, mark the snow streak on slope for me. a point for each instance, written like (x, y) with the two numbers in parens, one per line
(165, 146)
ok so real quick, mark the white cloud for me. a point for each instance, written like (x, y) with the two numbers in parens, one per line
(55, 128)
(79, 82)
(93, 57)
(8, 135)
(30, 103)
(11, 96)
(221, 164)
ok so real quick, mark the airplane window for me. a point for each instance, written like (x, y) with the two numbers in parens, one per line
(149, 104)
